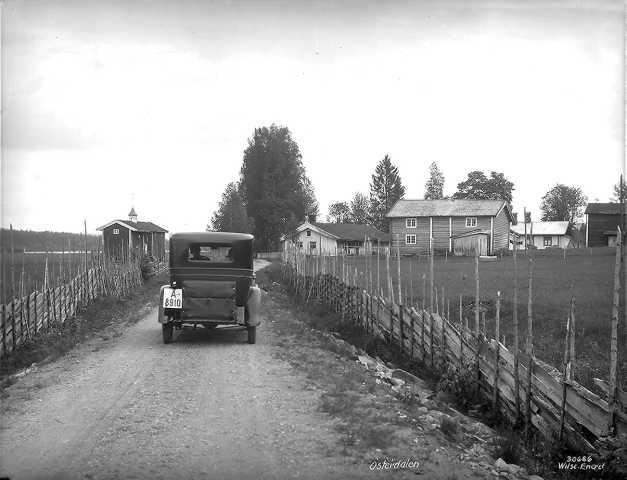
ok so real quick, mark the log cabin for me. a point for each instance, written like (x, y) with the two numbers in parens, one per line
(462, 227)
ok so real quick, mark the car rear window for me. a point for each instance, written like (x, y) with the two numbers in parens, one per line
(210, 253)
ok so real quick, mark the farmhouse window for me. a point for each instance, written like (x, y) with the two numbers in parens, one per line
(471, 221)
(116, 231)
(309, 233)
(312, 245)
(548, 241)
(410, 223)
(300, 244)
(410, 239)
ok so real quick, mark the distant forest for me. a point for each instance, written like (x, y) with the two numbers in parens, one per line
(30, 241)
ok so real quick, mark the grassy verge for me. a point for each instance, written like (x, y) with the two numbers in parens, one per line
(372, 423)
(91, 320)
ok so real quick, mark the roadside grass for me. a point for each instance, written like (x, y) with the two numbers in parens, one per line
(90, 321)
(367, 413)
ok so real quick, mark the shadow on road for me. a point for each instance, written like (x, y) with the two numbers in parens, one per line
(204, 336)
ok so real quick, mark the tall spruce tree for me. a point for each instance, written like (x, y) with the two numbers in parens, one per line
(274, 186)
(231, 215)
(386, 188)
(434, 188)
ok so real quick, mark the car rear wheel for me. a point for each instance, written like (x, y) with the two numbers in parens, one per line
(167, 329)
(252, 334)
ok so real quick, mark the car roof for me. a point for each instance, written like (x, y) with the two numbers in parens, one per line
(226, 237)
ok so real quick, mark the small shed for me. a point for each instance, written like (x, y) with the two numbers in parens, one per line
(471, 243)
(602, 219)
(132, 238)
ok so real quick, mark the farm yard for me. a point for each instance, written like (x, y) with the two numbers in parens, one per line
(586, 274)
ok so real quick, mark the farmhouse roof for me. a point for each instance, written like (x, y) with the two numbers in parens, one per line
(542, 228)
(603, 208)
(136, 226)
(353, 231)
(447, 208)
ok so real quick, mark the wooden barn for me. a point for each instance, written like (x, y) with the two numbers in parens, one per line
(132, 238)
(457, 226)
(602, 220)
(317, 238)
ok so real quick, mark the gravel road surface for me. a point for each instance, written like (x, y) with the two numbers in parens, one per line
(207, 406)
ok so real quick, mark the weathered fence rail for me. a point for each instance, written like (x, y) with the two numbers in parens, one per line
(23, 318)
(558, 405)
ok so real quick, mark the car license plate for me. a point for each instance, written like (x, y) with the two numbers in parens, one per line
(172, 297)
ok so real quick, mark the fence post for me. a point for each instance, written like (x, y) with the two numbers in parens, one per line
(461, 334)
(477, 294)
(13, 339)
(437, 303)
(515, 327)
(411, 284)
(431, 325)
(4, 328)
(443, 340)
(497, 321)
(412, 333)
(529, 348)
(48, 308)
(566, 370)
(64, 299)
(36, 312)
(613, 380)
(400, 298)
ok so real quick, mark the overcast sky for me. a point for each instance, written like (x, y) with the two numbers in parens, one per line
(108, 104)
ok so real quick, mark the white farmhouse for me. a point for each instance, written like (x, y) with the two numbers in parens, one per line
(315, 238)
(544, 234)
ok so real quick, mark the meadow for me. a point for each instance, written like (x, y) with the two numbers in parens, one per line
(584, 274)
(26, 272)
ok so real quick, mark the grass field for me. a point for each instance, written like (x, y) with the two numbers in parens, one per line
(591, 276)
(34, 265)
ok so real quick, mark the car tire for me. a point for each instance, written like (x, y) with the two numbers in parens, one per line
(252, 334)
(167, 329)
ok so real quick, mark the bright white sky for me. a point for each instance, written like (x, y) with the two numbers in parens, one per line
(112, 103)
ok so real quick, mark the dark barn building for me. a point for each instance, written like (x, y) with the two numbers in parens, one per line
(602, 220)
(124, 238)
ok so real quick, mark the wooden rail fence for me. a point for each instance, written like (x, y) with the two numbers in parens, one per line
(520, 387)
(25, 317)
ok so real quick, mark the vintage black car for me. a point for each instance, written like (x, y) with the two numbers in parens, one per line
(212, 283)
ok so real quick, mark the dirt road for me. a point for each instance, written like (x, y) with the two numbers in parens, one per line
(209, 405)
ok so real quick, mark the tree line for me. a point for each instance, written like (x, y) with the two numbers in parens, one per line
(273, 194)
